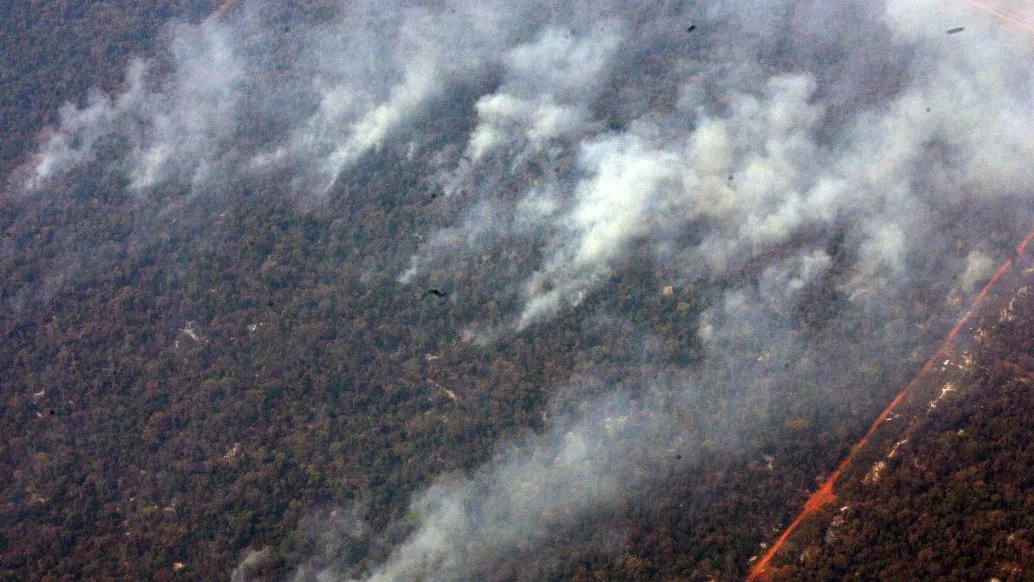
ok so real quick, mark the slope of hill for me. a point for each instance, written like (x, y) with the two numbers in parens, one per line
(55, 52)
(472, 290)
(943, 492)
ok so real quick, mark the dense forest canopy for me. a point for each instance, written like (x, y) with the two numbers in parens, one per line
(475, 290)
(942, 491)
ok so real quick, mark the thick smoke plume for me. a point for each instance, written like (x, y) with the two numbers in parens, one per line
(774, 153)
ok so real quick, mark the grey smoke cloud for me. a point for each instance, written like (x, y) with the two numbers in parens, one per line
(765, 166)
(531, 488)
(469, 525)
(181, 132)
(73, 142)
(248, 101)
(549, 85)
(787, 173)
(600, 135)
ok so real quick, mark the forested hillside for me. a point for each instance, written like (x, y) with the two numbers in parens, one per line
(55, 52)
(458, 290)
(944, 492)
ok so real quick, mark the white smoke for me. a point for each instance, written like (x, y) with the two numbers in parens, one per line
(73, 142)
(463, 526)
(979, 268)
(246, 101)
(766, 166)
(602, 135)
(548, 88)
(761, 173)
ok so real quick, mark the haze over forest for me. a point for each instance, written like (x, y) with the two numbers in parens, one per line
(477, 290)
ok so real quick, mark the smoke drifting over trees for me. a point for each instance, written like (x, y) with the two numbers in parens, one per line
(794, 176)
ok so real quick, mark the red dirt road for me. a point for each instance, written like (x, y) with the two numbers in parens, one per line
(824, 495)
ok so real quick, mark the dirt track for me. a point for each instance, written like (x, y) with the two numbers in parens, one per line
(825, 495)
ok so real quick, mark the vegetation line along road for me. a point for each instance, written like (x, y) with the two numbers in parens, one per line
(824, 495)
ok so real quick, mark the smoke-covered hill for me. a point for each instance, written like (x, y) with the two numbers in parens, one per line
(479, 290)
(942, 492)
